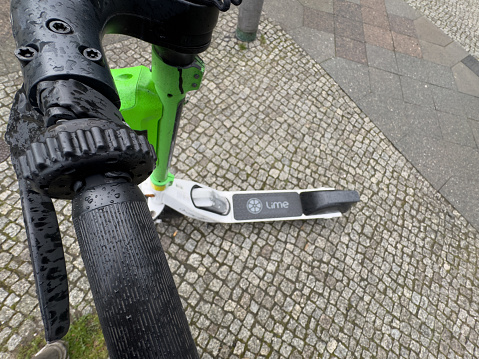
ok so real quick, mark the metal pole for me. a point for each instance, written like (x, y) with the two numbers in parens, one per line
(248, 19)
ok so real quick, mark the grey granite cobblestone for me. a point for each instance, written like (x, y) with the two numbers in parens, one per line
(436, 76)
(457, 18)
(395, 277)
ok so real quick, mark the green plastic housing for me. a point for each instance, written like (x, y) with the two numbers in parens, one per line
(152, 101)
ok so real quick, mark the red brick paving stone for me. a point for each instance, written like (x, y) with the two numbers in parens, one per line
(378, 37)
(375, 17)
(351, 50)
(375, 4)
(348, 10)
(319, 20)
(406, 44)
(402, 25)
(348, 28)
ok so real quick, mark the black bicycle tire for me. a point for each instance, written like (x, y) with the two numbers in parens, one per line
(135, 295)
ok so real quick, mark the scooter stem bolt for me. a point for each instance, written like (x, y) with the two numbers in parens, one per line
(59, 27)
(92, 54)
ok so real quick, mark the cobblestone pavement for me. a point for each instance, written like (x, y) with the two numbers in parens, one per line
(396, 277)
(457, 18)
(418, 85)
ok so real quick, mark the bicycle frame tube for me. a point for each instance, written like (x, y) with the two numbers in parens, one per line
(153, 101)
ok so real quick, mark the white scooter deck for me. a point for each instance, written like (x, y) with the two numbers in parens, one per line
(209, 205)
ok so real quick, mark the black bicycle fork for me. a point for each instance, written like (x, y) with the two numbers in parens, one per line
(65, 126)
